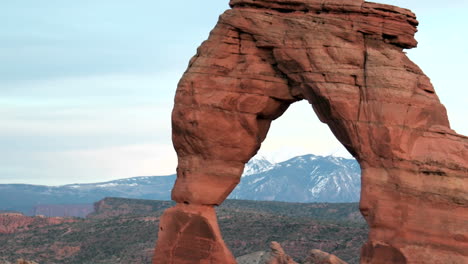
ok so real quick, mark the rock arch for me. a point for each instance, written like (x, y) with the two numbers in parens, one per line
(346, 58)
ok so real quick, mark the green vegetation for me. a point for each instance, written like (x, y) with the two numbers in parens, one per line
(125, 231)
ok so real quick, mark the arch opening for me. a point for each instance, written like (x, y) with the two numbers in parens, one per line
(295, 165)
(299, 132)
(300, 161)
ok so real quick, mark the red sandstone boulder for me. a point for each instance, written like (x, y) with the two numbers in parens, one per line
(319, 257)
(190, 234)
(278, 256)
(22, 261)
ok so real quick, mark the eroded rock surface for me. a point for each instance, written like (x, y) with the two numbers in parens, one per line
(278, 256)
(319, 257)
(346, 58)
(190, 234)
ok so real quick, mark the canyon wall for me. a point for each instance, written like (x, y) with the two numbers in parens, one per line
(347, 59)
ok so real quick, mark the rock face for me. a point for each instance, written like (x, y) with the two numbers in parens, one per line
(346, 58)
(278, 256)
(319, 257)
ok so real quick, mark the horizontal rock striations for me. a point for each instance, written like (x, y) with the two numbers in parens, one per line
(346, 59)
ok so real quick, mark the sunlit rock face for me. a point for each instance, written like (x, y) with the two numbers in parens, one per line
(319, 257)
(346, 58)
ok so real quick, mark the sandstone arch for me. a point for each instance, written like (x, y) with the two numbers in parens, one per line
(346, 58)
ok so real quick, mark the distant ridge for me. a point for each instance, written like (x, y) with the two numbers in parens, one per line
(307, 178)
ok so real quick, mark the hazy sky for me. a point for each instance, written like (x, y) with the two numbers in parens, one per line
(86, 87)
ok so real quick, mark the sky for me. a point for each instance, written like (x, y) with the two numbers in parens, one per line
(86, 87)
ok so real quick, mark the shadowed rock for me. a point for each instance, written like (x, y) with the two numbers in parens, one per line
(346, 58)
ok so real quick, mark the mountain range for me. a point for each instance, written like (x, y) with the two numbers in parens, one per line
(307, 178)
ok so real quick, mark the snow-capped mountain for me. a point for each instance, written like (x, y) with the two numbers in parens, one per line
(306, 178)
(23, 197)
(257, 165)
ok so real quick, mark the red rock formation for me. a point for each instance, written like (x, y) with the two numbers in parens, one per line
(22, 261)
(14, 222)
(319, 257)
(346, 58)
(10, 222)
(190, 234)
(278, 256)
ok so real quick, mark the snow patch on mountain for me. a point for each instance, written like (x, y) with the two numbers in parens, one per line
(257, 165)
(307, 178)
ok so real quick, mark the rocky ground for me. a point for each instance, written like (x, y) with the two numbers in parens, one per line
(125, 231)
